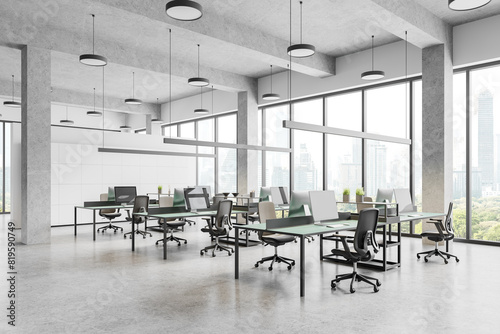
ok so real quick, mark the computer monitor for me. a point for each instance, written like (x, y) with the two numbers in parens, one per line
(300, 204)
(199, 189)
(384, 195)
(111, 194)
(323, 205)
(125, 195)
(279, 195)
(196, 198)
(179, 198)
(403, 198)
(265, 194)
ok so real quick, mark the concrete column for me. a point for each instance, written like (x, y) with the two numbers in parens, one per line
(35, 145)
(437, 129)
(149, 129)
(247, 134)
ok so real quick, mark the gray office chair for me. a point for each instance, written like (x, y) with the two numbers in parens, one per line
(365, 248)
(219, 227)
(444, 233)
(267, 211)
(109, 214)
(141, 204)
(171, 223)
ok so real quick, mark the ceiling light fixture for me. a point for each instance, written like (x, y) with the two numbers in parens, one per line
(184, 10)
(12, 104)
(271, 96)
(373, 74)
(461, 5)
(198, 81)
(94, 112)
(212, 100)
(66, 121)
(201, 110)
(125, 127)
(158, 107)
(133, 100)
(300, 50)
(93, 59)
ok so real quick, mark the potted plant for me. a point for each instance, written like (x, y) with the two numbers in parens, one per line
(159, 189)
(346, 194)
(360, 193)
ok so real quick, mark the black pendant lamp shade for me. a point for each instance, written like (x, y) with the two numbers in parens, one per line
(300, 50)
(372, 74)
(198, 81)
(125, 127)
(461, 5)
(94, 112)
(201, 110)
(184, 10)
(66, 121)
(133, 100)
(12, 104)
(92, 59)
(271, 96)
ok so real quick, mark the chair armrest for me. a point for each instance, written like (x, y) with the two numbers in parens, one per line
(370, 240)
(344, 238)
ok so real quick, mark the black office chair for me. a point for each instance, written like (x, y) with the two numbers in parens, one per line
(109, 214)
(443, 233)
(219, 227)
(141, 204)
(267, 211)
(365, 247)
(171, 223)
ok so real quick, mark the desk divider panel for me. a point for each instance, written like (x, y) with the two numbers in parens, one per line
(99, 203)
(288, 222)
(175, 209)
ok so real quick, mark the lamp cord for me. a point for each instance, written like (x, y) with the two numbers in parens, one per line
(300, 22)
(170, 83)
(94, 98)
(93, 32)
(198, 60)
(12, 87)
(373, 66)
(271, 79)
(212, 99)
(133, 85)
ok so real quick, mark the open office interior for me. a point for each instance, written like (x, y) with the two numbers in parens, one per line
(98, 94)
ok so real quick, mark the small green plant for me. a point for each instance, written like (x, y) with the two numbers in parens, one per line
(360, 192)
(347, 191)
(160, 188)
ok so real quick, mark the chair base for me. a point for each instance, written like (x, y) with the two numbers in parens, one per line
(437, 252)
(172, 238)
(217, 246)
(354, 276)
(143, 233)
(278, 259)
(110, 226)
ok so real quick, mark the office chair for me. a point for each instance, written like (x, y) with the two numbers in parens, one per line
(141, 204)
(171, 223)
(109, 214)
(217, 227)
(444, 233)
(365, 247)
(267, 211)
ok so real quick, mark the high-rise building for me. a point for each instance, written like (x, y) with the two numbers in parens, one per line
(485, 140)
(376, 174)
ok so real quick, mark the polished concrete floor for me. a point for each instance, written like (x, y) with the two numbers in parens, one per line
(75, 285)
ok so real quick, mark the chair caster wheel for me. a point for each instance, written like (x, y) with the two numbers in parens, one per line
(124, 237)
(185, 242)
(426, 260)
(232, 251)
(270, 268)
(293, 263)
(448, 256)
(213, 255)
(289, 267)
(352, 290)
(378, 283)
(418, 256)
(457, 260)
(334, 286)
(375, 289)
(229, 253)
(201, 252)
(256, 265)
(178, 245)
(144, 237)
(445, 262)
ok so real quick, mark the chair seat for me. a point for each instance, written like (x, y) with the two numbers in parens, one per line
(175, 223)
(435, 236)
(277, 238)
(351, 255)
(111, 215)
(214, 232)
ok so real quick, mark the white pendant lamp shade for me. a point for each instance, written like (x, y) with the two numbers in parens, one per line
(201, 110)
(461, 5)
(133, 100)
(91, 59)
(271, 96)
(157, 120)
(94, 112)
(300, 50)
(372, 74)
(184, 10)
(12, 104)
(198, 81)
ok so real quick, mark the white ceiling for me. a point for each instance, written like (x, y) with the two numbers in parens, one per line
(238, 38)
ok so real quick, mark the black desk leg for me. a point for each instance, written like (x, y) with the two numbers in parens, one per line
(399, 244)
(237, 253)
(75, 220)
(384, 248)
(321, 247)
(93, 224)
(133, 234)
(165, 240)
(302, 268)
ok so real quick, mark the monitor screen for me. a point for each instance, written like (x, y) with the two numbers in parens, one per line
(111, 194)
(300, 205)
(179, 198)
(265, 194)
(276, 197)
(323, 205)
(384, 195)
(125, 195)
(403, 198)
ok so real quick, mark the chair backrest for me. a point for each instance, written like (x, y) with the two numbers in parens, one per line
(104, 197)
(266, 211)
(364, 237)
(223, 215)
(141, 204)
(448, 223)
(365, 206)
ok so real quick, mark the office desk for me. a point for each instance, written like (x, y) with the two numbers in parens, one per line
(96, 208)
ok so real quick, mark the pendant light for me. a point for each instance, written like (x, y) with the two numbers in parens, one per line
(170, 83)
(157, 120)
(201, 110)
(299, 50)
(125, 127)
(133, 100)
(271, 96)
(373, 74)
(212, 100)
(12, 104)
(94, 112)
(461, 5)
(184, 10)
(66, 121)
(198, 81)
(92, 59)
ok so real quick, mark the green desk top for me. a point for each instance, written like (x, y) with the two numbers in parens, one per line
(409, 216)
(117, 206)
(184, 214)
(304, 230)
